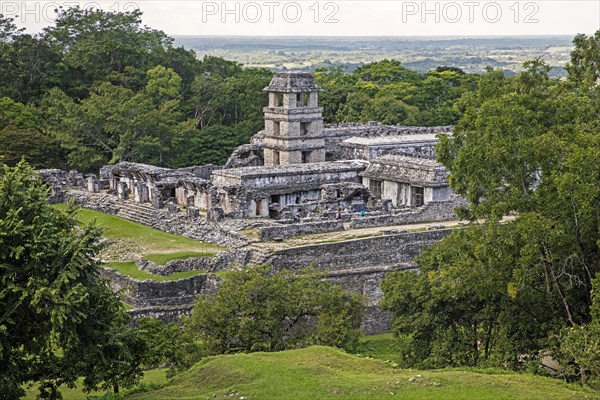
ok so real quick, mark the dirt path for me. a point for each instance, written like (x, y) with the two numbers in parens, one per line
(349, 234)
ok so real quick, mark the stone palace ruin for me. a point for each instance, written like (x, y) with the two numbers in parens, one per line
(297, 178)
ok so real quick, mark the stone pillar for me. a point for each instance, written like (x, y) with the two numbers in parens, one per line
(122, 191)
(157, 199)
(92, 183)
(75, 179)
(143, 192)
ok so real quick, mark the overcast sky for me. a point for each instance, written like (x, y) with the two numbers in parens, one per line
(338, 18)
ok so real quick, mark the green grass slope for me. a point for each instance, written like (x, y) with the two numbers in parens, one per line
(151, 241)
(326, 373)
(130, 241)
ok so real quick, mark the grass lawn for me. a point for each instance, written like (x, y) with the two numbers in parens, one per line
(157, 242)
(383, 347)
(326, 373)
(153, 376)
(130, 240)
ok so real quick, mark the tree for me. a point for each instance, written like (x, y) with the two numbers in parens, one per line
(57, 315)
(39, 150)
(21, 137)
(258, 309)
(584, 68)
(579, 346)
(30, 66)
(168, 345)
(336, 86)
(527, 146)
(471, 303)
(386, 71)
(389, 110)
(96, 44)
(16, 114)
(117, 124)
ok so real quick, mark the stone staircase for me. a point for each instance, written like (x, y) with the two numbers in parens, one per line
(258, 255)
(141, 213)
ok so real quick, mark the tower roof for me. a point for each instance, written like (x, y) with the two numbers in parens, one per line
(292, 82)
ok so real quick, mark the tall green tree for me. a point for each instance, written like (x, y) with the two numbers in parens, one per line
(336, 86)
(30, 66)
(22, 137)
(117, 124)
(584, 68)
(258, 309)
(57, 315)
(97, 44)
(579, 346)
(527, 146)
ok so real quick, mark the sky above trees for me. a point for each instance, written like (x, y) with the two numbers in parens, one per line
(342, 18)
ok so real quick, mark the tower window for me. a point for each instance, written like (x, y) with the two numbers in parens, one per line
(301, 99)
(275, 157)
(305, 157)
(278, 99)
(276, 128)
(304, 128)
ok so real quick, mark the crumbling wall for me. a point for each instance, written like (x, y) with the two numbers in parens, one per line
(149, 293)
(352, 255)
(199, 171)
(246, 155)
(434, 211)
(179, 223)
(284, 231)
(360, 265)
(59, 181)
(219, 262)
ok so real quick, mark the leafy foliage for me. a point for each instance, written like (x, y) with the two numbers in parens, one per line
(387, 92)
(257, 309)
(579, 346)
(104, 88)
(527, 146)
(59, 318)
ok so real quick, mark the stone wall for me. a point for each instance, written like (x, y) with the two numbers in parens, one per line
(166, 314)
(219, 262)
(357, 265)
(349, 151)
(360, 265)
(434, 211)
(336, 134)
(149, 293)
(285, 231)
(60, 181)
(376, 320)
(352, 256)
